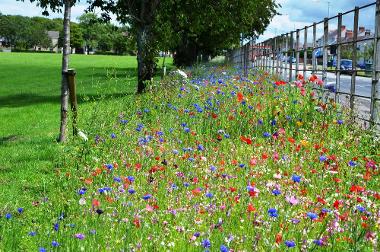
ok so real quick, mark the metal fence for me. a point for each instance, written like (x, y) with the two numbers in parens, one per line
(343, 50)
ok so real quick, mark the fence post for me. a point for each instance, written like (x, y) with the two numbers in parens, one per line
(325, 42)
(286, 56)
(314, 59)
(376, 69)
(354, 52)
(291, 59)
(73, 98)
(274, 55)
(305, 52)
(338, 56)
(297, 52)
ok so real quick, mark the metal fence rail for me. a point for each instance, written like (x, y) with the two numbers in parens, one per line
(326, 48)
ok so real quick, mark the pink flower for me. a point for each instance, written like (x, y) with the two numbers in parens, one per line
(292, 200)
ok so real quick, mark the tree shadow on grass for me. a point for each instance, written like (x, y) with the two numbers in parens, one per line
(29, 99)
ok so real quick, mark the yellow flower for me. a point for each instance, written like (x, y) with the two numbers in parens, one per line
(305, 143)
(299, 124)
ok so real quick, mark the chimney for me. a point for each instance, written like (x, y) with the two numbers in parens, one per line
(349, 34)
(361, 29)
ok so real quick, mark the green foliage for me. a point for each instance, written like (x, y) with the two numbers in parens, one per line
(24, 32)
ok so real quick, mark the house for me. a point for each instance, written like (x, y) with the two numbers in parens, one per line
(54, 36)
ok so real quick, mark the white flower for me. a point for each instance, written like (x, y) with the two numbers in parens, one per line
(82, 135)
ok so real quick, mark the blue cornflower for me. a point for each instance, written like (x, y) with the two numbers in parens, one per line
(20, 210)
(360, 209)
(276, 192)
(212, 168)
(312, 216)
(206, 243)
(54, 243)
(322, 158)
(123, 121)
(318, 242)
(200, 147)
(113, 135)
(273, 212)
(186, 129)
(296, 178)
(266, 134)
(197, 234)
(82, 191)
(117, 179)
(325, 210)
(352, 163)
(131, 178)
(56, 226)
(290, 244)
(241, 165)
(209, 195)
(226, 135)
(273, 122)
(41, 249)
(260, 122)
(147, 196)
(109, 166)
(224, 248)
(131, 191)
(32, 233)
(340, 122)
(186, 184)
(8, 216)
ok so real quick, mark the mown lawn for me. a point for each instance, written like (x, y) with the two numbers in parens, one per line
(29, 113)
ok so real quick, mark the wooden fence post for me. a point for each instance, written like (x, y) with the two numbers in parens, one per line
(73, 98)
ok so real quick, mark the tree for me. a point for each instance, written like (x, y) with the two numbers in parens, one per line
(56, 6)
(207, 27)
(141, 15)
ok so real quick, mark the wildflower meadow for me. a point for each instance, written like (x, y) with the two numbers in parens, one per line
(216, 162)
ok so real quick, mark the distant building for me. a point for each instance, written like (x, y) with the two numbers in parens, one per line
(54, 36)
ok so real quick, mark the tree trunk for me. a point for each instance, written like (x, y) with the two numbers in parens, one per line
(65, 67)
(145, 56)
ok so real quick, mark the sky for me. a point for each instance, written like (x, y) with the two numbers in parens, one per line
(294, 13)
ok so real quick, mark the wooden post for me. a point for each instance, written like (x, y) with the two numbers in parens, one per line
(297, 53)
(305, 52)
(325, 49)
(73, 98)
(338, 58)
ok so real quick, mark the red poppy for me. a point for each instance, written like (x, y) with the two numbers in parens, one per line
(240, 97)
(246, 140)
(251, 208)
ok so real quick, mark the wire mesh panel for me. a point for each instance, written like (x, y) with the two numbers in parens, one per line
(343, 51)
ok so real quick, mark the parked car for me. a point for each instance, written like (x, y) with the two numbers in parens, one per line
(346, 66)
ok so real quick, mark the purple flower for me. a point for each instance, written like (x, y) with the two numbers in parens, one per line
(360, 209)
(79, 236)
(290, 244)
(322, 158)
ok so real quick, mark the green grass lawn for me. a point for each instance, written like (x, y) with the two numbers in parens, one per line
(30, 107)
